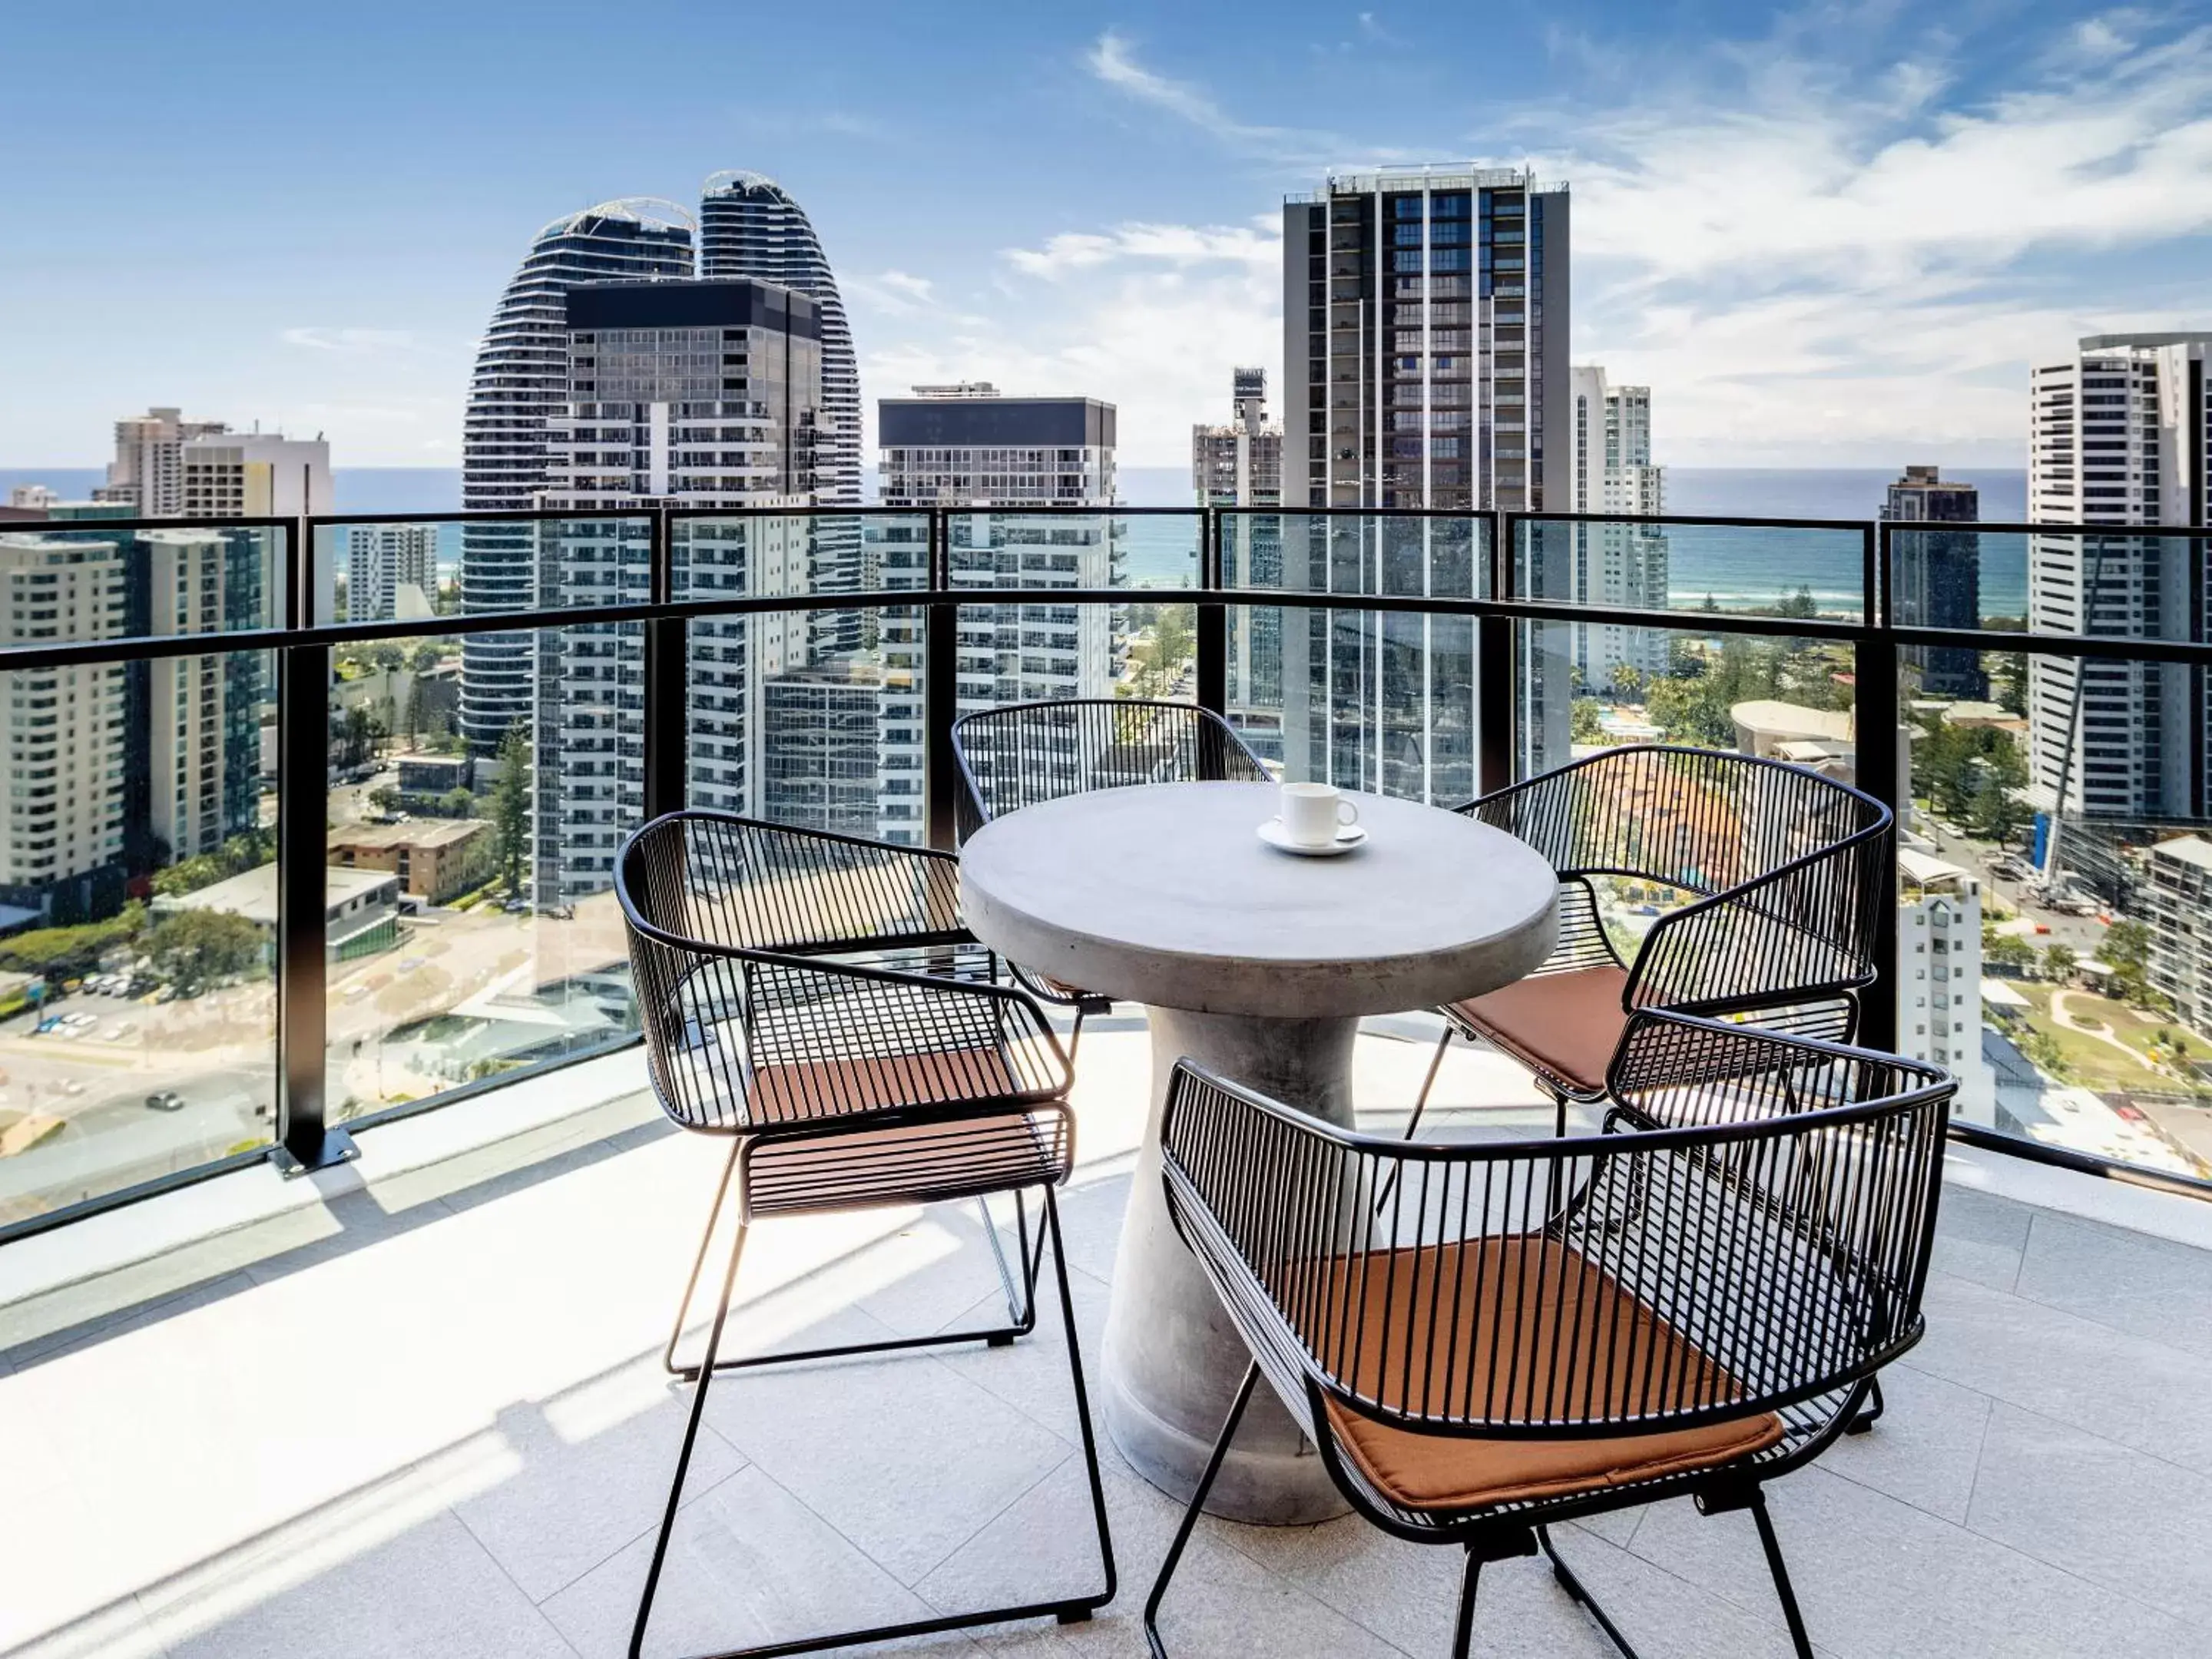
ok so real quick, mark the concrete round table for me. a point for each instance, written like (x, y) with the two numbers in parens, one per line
(1257, 964)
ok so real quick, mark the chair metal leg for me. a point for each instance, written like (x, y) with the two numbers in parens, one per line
(1069, 1615)
(1021, 1311)
(1413, 1123)
(1463, 1627)
(691, 1285)
(1772, 1546)
(1428, 1082)
(1067, 1610)
(1190, 1516)
(1868, 1414)
(1575, 1588)
(691, 1438)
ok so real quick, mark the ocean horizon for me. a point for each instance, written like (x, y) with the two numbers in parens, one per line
(1737, 567)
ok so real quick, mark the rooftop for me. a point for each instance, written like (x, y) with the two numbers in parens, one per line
(2188, 849)
(252, 893)
(2040, 1486)
(415, 832)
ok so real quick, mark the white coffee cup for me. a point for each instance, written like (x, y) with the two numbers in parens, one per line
(1313, 813)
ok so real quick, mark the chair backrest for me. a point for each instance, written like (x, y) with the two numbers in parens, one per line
(725, 881)
(1029, 752)
(733, 926)
(1692, 1275)
(1802, 853)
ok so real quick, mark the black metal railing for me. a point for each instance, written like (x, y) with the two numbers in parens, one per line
(1488, 589)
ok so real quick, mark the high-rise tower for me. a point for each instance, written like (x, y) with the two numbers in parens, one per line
(1605, 459)
(1935, 577)
(750, 227)
(1240, 465)
(521, 377)
(685, 394)
(1424, 365)
(2117, 437)
(993, 460)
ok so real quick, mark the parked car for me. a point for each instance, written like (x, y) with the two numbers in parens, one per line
(165, 1100)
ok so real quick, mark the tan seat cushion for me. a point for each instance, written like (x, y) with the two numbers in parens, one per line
(1525, 1310)
(1564, 1025)
(782, 1094)
(914, 1164)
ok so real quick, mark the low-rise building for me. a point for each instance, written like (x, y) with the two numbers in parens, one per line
(436, 859)
(361, 908)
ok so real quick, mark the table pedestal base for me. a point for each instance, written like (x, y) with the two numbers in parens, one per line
(1173, 1360)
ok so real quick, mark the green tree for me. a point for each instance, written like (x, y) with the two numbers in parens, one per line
(458, 803)
(1800, 603)
(510, 809)
(196, 948)
(1584, 725)
(1628, 682)
(2007, 951)
(384, 798)
(2059, 963)
(2127, 944)
(69, 952)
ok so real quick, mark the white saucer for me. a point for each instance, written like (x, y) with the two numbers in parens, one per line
(1348, 837)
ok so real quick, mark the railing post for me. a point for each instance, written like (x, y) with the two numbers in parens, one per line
(668, 711)
(1213, 631)
(303, 737)
(1880, 755)
(940, 699)
(1496, 711)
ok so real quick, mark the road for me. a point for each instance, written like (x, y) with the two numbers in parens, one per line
(2083, 935)
(118, 1140)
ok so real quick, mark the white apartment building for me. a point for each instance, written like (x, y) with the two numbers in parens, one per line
(190, 716)
(968, 446)
(31, 498)
(1622, 565)
(2180, 891)
(1939, 980)
(391, 571)
(62, 814)
(2117, 436)
(681, 393)
(148, 471)
(251, 475)
(1241, 465)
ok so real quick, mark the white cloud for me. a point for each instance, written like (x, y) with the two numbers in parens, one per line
(1150, 317)
(890, 293)
(1811, 263)
(351, 342)
(1113, 60)
(1177, 246)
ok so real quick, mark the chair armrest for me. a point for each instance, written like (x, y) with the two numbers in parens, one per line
(1791, 935)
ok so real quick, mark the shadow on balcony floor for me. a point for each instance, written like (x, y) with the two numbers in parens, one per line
(434, 1424)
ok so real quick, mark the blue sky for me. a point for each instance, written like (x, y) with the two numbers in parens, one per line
(1835, 235)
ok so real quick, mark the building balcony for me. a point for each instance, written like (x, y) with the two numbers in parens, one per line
(410, 1400)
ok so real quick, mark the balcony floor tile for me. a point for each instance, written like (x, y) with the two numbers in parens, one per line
(495, 1432)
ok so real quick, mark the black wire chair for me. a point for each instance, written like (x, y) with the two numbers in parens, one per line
(1784, 868)
(1029, 752)
(909, 1078)
(1528, 1331)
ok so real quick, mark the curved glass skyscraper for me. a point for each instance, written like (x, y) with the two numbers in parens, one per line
(521, 377)
(748, 226)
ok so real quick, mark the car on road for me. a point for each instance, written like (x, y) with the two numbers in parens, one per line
(165, 1100)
